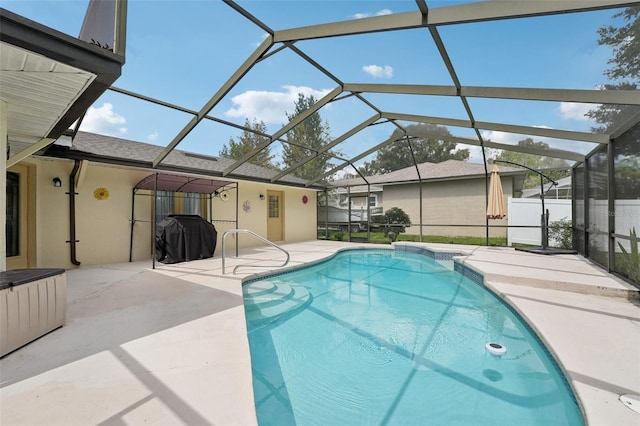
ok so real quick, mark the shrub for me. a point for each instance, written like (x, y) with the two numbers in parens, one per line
(395, 216)
(631, 262)
(561, 234)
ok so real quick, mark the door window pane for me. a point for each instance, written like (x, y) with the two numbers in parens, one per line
(274, 206)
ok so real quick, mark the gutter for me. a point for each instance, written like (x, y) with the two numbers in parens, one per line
(54, 151)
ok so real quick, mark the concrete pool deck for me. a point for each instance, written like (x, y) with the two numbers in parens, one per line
(169, 345)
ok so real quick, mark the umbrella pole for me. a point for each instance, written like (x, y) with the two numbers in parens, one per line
(544, 218)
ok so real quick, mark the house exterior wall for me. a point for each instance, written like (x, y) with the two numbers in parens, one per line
(103, 227)
(300, 221)
(453, 202)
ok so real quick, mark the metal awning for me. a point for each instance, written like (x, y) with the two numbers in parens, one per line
(179, 183)
(182, 184)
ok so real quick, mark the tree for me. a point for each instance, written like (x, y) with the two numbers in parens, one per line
(395, 219)
(367, 169)
(625, 71)
(625, 43)
(305, 139)
(627, 178)
(426, 145)
(250, 138)
(611, 116)
(536, 162)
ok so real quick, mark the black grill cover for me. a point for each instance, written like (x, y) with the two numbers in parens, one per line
(180, 238)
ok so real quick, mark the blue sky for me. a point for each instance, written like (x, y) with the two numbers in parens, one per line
(182, 52)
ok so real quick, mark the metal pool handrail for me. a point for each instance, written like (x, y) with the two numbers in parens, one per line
(247, 231)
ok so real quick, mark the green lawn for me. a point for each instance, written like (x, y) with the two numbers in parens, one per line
(379, 238)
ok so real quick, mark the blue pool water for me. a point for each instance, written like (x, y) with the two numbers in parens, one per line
(373, 337)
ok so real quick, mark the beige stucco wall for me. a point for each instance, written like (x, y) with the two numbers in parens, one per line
(103, 226)
(299, 218)
(453, 202)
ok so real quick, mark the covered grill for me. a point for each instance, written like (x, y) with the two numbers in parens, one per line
(180, 238)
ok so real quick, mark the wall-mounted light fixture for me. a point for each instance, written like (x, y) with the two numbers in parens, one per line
(262, 196)
(57, 182)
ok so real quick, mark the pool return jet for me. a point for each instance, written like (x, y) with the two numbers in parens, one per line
(544, 218)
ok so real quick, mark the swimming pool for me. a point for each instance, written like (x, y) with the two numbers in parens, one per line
(394, 337)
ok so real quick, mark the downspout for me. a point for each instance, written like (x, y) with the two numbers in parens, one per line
(72, 211)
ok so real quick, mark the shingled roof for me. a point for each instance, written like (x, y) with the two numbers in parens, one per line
(446, 170)
(112, 150)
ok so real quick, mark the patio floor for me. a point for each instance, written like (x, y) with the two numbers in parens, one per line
(169, 346)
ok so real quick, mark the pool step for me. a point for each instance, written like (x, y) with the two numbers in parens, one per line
(279, 295)
(259, 288)
(269, 301)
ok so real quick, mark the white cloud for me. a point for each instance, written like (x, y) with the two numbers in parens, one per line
(153, 136)
(513, 139)
(270, 107)
(575, 111)
(378, 13)
(475, 153)
(104, 121)
(377, 71)
(262, 39)
(503, 137)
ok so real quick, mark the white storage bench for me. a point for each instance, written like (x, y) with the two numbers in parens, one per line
(32, 303)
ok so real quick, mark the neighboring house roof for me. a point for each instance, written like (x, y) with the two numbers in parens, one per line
(446, 170)
(361, 189)
(564, 187)
(112, 150)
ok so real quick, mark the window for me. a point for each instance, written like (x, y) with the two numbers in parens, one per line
(192, 203)
(164, 205)
(177, 203)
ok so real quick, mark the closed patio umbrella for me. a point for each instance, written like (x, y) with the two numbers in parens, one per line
(496, 208)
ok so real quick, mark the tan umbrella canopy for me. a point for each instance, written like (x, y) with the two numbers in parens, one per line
(496, 208)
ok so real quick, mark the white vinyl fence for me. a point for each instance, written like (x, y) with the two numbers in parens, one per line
(528, 212)
(626, 212)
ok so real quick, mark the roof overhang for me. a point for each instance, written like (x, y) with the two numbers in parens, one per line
(48, 80)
